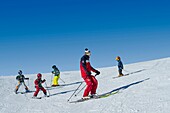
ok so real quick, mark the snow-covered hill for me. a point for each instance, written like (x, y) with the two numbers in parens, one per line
(145, 90)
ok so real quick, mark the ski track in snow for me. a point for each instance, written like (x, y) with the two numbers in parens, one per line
(146, 90)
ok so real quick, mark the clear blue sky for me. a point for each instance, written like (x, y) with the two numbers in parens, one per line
(35, 34)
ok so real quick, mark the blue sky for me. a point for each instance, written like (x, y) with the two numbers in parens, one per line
(36, 34)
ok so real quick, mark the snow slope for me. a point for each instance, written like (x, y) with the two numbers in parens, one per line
(146, 90)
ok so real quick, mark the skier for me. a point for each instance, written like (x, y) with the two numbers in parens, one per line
(38, 85)
(90, 80)
(120, 66)
(56, 73)
(21, 81)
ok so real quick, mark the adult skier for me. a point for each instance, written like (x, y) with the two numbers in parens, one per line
(38, 85)
(91, 81)
(21, 81)
(56, 73)
(120, 66)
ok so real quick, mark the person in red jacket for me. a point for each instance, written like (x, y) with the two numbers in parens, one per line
(38, 85)
(91, 81)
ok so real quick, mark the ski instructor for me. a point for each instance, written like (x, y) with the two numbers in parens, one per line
(90, 80)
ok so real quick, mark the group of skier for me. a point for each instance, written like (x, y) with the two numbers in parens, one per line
(85, 69)
(38, 82)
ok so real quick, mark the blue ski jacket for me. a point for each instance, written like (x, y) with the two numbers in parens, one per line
(120, 65)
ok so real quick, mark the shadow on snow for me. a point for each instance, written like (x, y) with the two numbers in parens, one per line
(61, 86)
(71, 83)
(63, 92)
(135, 72)
(130, 73)
(123, 87)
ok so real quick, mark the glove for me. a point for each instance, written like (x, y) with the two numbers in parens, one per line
(26, 78)
(88, 73)
(44, 80)
(97, 72)
(17, 78)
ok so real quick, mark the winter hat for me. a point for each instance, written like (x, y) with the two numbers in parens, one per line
(54, 66)
(118, 58)
(39, 75)
(20, 72)
(87, 51)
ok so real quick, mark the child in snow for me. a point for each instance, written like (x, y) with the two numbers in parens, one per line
(90, 80)
(56, 73)
(120, 66)
(38, 85)
(21, 79)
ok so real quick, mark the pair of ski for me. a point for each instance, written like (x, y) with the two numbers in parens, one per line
(34, 97)
(40, 97)
(121, 76)
(23, 92)
(96, 97)
(51, 87)
(26, 92)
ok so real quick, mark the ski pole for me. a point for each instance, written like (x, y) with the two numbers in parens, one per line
(62, 80)
(80, 90)
(51, 79)
(75, 91)
(28, 83)
(126, 70)
(47, 88)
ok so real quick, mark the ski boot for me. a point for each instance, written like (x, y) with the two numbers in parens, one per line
(16, 91)
(55, 85)
(120, 75)
(27, 90)
(94, 96)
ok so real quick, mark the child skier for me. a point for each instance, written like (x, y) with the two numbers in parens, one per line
(56, 73)
(90, 80)
(120, 66)
(21, 81)
(38, 85)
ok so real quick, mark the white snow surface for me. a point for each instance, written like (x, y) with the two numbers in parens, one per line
(147, 90)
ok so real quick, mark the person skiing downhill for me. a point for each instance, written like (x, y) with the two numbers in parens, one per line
(21, 81)
(38, 85)
(120, 66)
(91, 81)
(56, 73)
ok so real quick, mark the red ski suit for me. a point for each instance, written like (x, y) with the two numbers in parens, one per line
(90, 80)
(38, 86)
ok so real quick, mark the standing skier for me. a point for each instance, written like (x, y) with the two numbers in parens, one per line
(90, 80)
(56, 73)
(120, 66)
(38, 85)
(21, 81)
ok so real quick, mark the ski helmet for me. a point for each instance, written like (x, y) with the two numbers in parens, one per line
(20, 72)
(118, 58)
(54, 66)
(39, 75)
